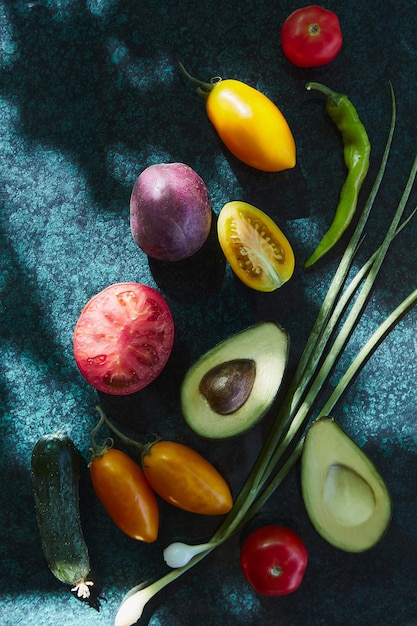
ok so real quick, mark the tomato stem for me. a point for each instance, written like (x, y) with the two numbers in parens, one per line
(276, 571)
(105, 420)
(314, 29)
(96, 449)
(142, 447)
(204, 88)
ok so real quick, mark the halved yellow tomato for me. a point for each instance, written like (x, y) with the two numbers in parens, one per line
(258, 251)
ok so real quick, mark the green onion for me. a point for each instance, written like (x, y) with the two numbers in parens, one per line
(283, 445)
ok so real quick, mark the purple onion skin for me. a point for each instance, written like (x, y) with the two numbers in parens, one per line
(170, 212)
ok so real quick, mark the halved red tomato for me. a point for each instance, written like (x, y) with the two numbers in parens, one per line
(123, 338)
(258, 251)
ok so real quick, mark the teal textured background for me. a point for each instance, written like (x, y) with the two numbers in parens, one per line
(90, 96)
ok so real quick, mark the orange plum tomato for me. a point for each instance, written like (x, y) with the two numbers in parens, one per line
(125, 494)
(258, 252)
(251, 126)
(123, 338)
(273, 560)
(311, 36)
(185, 479)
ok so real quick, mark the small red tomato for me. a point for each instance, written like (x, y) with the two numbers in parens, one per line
(273, 560)
(185, 479)
(123, 338)
(124, 492)
(311, 36)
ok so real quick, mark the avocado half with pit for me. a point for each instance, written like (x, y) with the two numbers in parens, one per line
(346, 498)
(231, 387)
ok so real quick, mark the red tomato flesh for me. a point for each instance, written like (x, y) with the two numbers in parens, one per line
(123, 338)
(273, 560)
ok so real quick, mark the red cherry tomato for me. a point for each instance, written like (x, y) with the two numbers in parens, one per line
(123, 338)
(311, 36)
(124, 492)
(185, 479)
(273, 560)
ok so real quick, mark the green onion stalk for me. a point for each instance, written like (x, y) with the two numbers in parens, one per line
(339, 315)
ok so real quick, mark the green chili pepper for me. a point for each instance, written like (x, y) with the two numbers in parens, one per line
(356, 155)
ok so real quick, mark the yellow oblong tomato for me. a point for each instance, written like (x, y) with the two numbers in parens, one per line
(251, 126)
(125, 494)
(185, 479)
(258, 251)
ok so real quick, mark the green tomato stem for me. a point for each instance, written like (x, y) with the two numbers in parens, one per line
(96, 449)
(142, 447)
(204, 88)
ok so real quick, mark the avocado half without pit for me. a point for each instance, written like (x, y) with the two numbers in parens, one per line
(231, 387)
(345, 497)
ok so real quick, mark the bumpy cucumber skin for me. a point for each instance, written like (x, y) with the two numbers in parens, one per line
(55, 476)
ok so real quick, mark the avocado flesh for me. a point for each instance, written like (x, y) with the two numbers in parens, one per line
(345, 497)
(267, 345)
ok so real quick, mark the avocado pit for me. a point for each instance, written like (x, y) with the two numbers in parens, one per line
(345, 496)
(227, 386)
(348, 498)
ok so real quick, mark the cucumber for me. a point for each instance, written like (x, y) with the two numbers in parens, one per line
(55, 466)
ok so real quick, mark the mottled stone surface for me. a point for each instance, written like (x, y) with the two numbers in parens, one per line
(90, 95)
